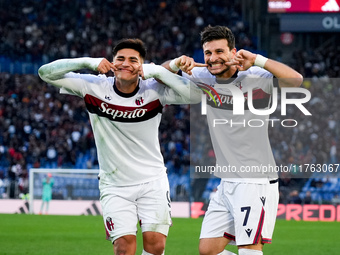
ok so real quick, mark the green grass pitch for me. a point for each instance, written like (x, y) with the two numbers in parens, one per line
(69, 235)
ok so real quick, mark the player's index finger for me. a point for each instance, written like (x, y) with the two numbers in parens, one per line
(200, 65)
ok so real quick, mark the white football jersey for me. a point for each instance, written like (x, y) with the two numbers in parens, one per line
(240, 142)
(125, 126)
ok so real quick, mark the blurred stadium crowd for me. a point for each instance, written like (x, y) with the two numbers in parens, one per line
(40, 128)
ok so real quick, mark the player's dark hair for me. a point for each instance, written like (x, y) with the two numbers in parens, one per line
(131, 43)
(211, 33)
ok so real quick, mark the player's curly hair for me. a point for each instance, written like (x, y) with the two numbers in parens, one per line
(211, 33)
(130, 43)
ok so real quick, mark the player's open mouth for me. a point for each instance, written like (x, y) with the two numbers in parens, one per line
(215, 65)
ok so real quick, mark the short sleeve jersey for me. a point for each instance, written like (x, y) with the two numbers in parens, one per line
(240, 142)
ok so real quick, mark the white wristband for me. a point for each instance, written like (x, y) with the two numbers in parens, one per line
(173, 66)
(260, 60)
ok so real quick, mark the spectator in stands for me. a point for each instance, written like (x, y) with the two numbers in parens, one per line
(336, 200)
(294, 197)
(2, 185)
(41, 36)
(23, 184)
(307, 199)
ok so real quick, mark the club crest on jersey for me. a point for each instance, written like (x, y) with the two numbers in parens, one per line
(108, 98)
(239, 85)
(139, 101)
(109, 224)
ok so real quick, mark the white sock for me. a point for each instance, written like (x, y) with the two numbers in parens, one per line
(249, 252)
(225, 252)
(146, 253)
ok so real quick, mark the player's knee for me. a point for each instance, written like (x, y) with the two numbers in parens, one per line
(208, 246)
(120, 248)
(124, 246)
(156, 248)
(204, 249)
(159, 250)
(154, 242)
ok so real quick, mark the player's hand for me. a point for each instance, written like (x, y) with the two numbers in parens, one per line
(244, 59)
(186, 64)
(105, 66)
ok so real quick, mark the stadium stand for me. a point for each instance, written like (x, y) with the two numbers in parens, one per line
(40, 128)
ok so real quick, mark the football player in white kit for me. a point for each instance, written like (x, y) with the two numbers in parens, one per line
(125, 113)
(243, 210)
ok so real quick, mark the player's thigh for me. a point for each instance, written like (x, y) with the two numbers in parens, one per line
(250, 214)
(218, 220)
(119, 212)
(154, 209)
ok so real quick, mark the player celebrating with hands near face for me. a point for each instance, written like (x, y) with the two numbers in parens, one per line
(125, 112)
(243, 210)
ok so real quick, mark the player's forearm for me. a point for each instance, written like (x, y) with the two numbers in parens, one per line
(166, 65)
(56, 70)
(188, 90)
(287, 76)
